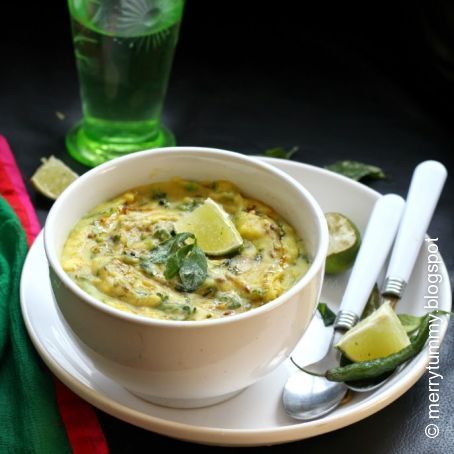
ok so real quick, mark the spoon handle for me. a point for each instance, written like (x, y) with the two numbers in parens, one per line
(425, 189)
(376, 244)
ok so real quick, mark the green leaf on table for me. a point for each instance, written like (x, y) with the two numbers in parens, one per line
(280, 152)
(356, 170)
(328, 316)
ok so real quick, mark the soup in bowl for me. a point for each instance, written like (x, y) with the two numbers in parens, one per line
(186, 274)
(184, 250)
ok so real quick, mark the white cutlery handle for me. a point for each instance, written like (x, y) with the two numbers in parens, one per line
(425, 189)
(376, 244)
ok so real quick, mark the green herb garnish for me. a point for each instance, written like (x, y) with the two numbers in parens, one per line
(182, 259)
(328, 316)
(161, 197)
(256, 293)
(190, 205)
(177, 311)
(115, 238)
(193, 270)
(191, 186)
(162, 233)
(162, 252)
(280, 152)
(228, 300)
(158, 195)
(356, 170)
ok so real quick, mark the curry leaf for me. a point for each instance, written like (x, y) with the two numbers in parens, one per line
(410, 322)
(356, 170)
(279, 152)
(162, 252)
(180, 238)
(175, 261)
(328, 316)
(185, 260)
(193, 270)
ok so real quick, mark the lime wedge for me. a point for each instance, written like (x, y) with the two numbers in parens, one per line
(344, 241)
(52, 177)
(215, 232)
(377, 336)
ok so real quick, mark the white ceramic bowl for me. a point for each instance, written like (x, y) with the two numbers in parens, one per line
(193, 363)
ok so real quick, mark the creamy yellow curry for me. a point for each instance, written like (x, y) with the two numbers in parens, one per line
(126, 253)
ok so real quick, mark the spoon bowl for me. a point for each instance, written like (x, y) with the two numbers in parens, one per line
(322, 396)
(310, 395)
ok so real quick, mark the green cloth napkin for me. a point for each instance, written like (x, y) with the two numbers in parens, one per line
(29, 417)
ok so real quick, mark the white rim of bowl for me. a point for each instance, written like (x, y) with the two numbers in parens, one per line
(54, 261)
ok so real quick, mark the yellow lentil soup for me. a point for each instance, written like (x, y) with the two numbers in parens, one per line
(126, 253)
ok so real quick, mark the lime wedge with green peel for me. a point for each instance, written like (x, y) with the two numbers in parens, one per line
(379, 335)
(344, 242)
(215, 232)
(52, 177)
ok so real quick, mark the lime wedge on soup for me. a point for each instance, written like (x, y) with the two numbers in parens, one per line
(214, 230)
(344, 242)
(379, 335)
(52, 177)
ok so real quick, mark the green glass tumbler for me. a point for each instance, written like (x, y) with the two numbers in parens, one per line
(124, 51)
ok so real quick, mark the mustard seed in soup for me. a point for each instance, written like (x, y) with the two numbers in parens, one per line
(127, 253)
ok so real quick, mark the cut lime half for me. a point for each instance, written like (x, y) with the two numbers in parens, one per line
(215, 232)
(377, 336)
(344, 242)
(52, 177)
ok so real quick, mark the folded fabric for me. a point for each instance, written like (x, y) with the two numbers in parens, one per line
(28, 411)
(52, 418)
(12, 188)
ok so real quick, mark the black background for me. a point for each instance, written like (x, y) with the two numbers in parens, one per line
(372, 82)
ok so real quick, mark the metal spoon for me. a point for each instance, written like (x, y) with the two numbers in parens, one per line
(307, 396)
(425, 188)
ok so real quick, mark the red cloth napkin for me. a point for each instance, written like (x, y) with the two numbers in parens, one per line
(79, 418)
(13, 190)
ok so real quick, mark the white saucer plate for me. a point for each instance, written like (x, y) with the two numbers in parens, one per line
(255, 416)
